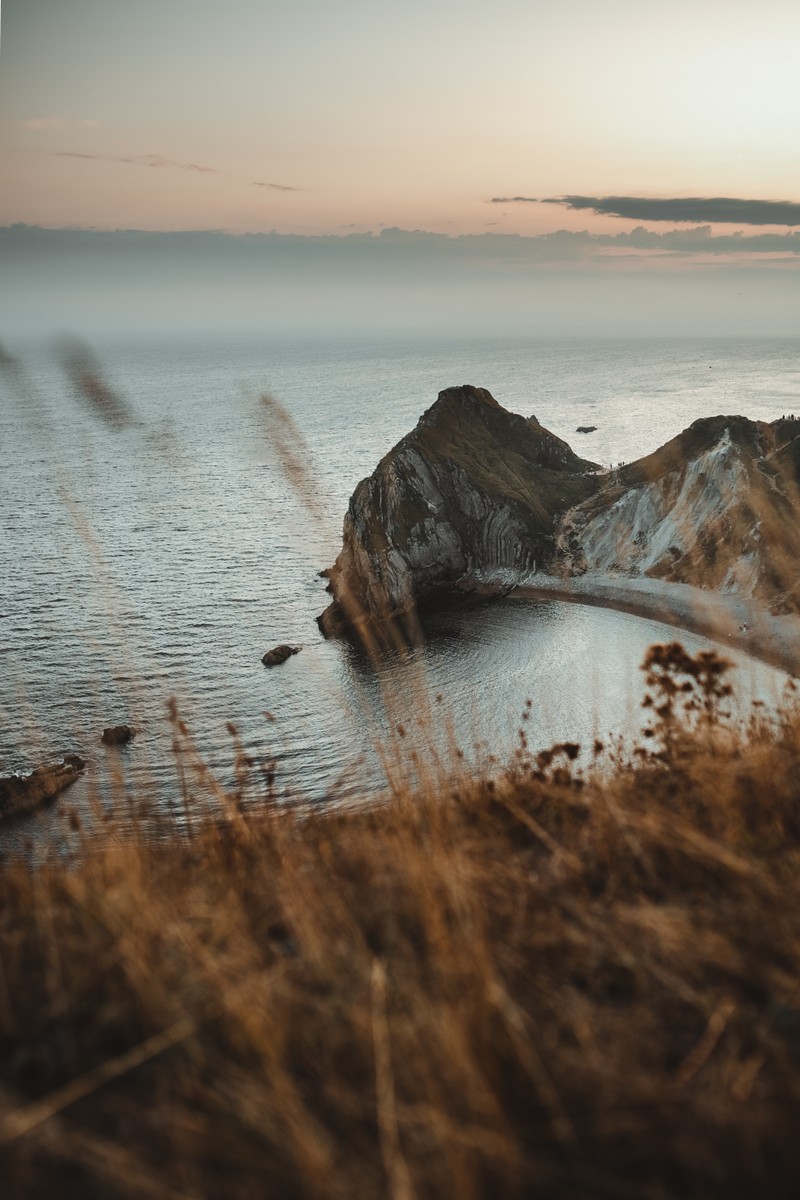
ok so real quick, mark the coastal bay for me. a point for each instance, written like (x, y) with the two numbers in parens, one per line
(732, 621)
(162, 559)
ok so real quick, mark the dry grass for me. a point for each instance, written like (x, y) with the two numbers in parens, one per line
(546, 984)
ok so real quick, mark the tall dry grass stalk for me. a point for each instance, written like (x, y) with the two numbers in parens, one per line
(552, 982)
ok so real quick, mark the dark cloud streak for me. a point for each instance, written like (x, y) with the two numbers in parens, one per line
(141, 160)
(724, 210)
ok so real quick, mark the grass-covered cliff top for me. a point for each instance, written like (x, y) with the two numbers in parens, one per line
(502, 454)
(549, 983)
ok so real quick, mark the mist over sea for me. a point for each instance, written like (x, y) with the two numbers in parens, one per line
(163, 558)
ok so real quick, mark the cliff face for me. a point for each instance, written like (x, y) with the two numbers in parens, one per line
(477, 492)
(472, 489)
(717, 507)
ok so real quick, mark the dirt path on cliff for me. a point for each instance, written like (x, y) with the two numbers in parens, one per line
(569, 556)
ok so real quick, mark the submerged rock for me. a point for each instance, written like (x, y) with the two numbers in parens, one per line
(279, 654)
(476, 494)
(586, 429)
(21, 793)
(118, 735)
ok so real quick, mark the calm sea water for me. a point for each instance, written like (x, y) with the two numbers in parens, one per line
(163, 559)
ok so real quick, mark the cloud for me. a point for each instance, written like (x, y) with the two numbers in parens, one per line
(91, 123)
(158, 160)
(41, 123)
(411, 252)
(717, 209)
(514, 200)
(701, 240)
(140, 160)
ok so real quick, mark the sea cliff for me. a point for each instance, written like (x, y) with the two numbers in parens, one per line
(477, 494)
(473, 488)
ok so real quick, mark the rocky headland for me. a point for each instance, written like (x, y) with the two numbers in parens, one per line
(476, 496)
(472, 489)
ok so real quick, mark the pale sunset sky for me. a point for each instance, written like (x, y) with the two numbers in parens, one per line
(321, 118)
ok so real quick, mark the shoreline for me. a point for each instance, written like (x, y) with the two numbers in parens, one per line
(735, 621)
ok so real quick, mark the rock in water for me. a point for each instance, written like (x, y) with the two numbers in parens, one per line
(21, 793)
(475, 492)
(279, 655)
(473, 489)
(586, 429)
(118, 735)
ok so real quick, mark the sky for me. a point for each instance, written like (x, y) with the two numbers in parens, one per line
(662, 138)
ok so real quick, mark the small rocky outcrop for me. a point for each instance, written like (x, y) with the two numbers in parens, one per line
(279, 654)
(118, 735)
(476, 495)
(586, 429)
(473, 490)
(21, 793)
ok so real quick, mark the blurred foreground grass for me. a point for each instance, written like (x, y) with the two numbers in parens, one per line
(550, 983)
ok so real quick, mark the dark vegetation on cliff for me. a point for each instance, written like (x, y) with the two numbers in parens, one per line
(547, 983)
(500, 449)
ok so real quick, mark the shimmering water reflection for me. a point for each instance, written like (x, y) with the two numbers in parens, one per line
(164, 558)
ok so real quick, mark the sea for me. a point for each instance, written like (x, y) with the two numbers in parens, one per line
(152, 562)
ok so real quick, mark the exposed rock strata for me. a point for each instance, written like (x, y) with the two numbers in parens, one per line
(716, 507)
(473, 488)
(475, 492)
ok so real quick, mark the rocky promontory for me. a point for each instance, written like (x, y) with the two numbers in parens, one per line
(477, 494)
(21, 793)
(473, 488)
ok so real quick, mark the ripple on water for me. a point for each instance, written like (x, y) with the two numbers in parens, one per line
(136, 567)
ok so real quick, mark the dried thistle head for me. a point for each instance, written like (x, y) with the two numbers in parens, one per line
(684, 690)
